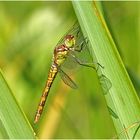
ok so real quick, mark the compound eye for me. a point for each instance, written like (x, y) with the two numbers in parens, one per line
(69, 40)
(71, 37)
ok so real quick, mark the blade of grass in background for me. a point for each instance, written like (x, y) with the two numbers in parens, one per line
(119, 25)
(121, 98)
(13, 123)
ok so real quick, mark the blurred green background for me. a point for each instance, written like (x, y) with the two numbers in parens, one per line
(29, 32)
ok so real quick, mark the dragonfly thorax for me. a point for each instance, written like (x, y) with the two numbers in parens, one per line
(69, 41)
(60, 54)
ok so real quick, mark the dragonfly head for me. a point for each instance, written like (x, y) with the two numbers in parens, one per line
(69, 40)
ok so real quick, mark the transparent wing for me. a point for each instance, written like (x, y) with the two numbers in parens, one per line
(67, 80)
(81, 51)
(80, 40)
(69, 64)
(74, 30)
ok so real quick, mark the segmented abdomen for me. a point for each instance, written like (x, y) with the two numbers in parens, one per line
(51, 76)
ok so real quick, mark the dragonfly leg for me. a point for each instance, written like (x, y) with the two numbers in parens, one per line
(80, 46)
(78, 32)
(91, 65)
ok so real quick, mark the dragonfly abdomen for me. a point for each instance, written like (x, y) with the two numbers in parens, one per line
(52, 73)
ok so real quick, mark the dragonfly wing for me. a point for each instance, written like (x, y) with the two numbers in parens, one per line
(69, 63)
(72, 31)
(67, 80)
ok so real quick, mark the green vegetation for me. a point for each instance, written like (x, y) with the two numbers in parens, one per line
(29, 32)
(13, 123)
(121, 98)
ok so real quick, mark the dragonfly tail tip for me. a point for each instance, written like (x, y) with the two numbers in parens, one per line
(36, 120)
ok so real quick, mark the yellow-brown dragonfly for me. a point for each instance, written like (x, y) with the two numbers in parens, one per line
(73, 41)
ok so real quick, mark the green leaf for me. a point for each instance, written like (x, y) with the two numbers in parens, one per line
(13, 123)
(121, 97)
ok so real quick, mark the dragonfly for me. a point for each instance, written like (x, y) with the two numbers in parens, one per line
(73, 41)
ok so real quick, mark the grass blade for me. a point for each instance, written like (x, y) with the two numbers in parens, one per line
(121, 98)
(13, 123)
